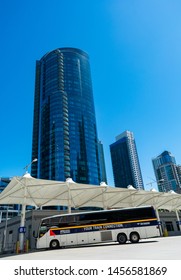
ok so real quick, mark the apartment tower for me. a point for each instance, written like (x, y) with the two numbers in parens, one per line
(65, 138)
(167, 172)
(125, 162)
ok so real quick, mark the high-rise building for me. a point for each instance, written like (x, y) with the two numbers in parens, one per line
(65, 138)
(125, 162)
(167, 172)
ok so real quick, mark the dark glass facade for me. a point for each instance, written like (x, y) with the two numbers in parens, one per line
(167, 172)
(64, 130)
(125, 162)
(121, 164)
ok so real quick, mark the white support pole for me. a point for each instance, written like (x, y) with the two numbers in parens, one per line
(22, 227)
(68, 181)
(159, 222)
(22, 221)
(103, 184)
(178, 219)
(5, 229)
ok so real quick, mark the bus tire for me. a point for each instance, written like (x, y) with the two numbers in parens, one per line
(122, 238)
(54, 244)
(134, 237)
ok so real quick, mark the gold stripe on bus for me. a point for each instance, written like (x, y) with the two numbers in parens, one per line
(113, 223)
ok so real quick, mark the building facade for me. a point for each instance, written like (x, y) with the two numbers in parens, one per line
(167, 172)
(125, 162)
(65, 138)
(7, 211)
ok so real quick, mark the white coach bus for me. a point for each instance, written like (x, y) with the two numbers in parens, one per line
(122, 225)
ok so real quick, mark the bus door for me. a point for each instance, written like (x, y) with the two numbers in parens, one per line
(43, 237)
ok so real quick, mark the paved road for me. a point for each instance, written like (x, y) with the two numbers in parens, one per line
(168, 248)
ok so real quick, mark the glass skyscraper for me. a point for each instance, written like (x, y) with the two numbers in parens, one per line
(167, 172)
(65, 138)
(125, 162)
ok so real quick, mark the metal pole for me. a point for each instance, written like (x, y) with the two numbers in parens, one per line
(22, 228)
(22, 222)
(103, 184)
(26, 167)
(68, 181)
(23, 210)
(5, 229)
(159, 222)
(178, 219)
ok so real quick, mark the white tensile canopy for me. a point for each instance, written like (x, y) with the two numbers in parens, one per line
(27, 190)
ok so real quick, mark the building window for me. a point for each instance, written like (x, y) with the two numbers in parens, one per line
(169, 226)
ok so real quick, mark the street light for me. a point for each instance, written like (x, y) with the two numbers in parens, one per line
(26, 167)
(159, 182)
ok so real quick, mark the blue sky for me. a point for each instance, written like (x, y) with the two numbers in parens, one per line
(135, 56)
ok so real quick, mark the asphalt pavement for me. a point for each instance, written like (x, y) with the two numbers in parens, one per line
(163, 248)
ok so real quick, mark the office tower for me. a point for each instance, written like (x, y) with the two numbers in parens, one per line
(179, 174)
(125, 162)
(64, 130)
(167, 172)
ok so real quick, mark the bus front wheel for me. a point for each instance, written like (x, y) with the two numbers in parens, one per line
(54, 244)
(134, 237)
(122, 238)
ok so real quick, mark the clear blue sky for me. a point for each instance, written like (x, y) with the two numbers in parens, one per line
(135, 55)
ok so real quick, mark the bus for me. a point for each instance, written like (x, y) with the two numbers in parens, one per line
(118, 225)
